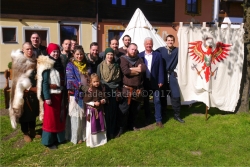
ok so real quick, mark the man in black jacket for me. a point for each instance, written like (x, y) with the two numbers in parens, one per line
(38, 49)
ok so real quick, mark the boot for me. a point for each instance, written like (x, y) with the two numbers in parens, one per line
(176, 105)
(120, 132)
(26, 138)
(177, 117)
(52, 147)
(34, 135)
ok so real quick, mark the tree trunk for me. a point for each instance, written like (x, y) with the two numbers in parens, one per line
(243, 104)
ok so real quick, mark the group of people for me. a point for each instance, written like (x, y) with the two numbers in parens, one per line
(94, 96)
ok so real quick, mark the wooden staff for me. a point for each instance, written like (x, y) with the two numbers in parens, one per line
(206, 111)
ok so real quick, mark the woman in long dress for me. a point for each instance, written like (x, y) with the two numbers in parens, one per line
(109, 73)
(50, 71)
(77, 72)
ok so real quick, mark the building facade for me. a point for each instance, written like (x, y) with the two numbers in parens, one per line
(54, 21)
(97, 20)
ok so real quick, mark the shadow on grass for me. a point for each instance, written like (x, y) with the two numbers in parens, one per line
(197, 108)
(200, 108)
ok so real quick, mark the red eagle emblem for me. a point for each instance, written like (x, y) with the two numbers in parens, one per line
(196, 50)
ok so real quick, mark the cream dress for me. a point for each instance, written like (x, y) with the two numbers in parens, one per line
(94, 140)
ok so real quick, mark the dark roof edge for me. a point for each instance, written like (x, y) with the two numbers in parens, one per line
(58, 18)
(127, 21)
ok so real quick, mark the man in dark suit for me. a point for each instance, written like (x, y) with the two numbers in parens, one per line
(153, 80)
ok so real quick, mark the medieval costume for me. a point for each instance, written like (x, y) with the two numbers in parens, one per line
(95, 128)
(124, 51)
(131, 86)
(41, 50)
(65, 58)
(77, 81)
(110, 77)
(23, 106)
(117, 55)
(93, 63)
(170, 60)
(51, 71)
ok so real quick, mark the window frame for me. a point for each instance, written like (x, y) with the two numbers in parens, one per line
(115, 31)
(68, 23)
(198, 13)
(36, 28)
(27, 34)
(14, 42)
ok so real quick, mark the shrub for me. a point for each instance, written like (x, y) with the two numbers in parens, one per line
(9, 65)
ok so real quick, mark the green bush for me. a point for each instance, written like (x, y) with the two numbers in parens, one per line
(10, 65)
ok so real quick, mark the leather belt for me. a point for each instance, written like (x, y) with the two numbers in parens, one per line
(130, 93)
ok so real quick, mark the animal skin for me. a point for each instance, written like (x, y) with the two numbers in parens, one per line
(22, 67)
(43, 63)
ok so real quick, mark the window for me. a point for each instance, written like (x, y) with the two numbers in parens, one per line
(114, 34)
(114, 2)
(123, 2)
(9, 34)
(41, 33)
(69, 32)
(156, 1)
(193, 7)
(119, 2)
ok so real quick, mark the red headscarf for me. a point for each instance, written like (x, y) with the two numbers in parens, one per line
(52, 47)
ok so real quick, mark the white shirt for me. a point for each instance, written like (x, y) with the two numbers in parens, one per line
(148, 63)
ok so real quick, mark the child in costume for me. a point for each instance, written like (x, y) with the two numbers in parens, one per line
(96, 127)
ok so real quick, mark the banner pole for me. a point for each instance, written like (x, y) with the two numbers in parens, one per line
(206, 112)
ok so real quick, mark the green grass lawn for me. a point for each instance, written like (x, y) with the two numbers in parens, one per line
(2, 105)
(223, 140)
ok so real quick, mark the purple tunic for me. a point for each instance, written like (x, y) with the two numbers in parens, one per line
(97, 121)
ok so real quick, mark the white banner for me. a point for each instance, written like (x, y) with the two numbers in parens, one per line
(210, 64)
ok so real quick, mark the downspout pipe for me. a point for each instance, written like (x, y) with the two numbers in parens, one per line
(216, 10)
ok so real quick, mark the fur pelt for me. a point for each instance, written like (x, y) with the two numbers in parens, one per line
(22, 67)
(43, 63)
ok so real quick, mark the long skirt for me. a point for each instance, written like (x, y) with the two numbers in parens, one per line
(53, 121)
(95, 138)
(111, 109)
(76, 122)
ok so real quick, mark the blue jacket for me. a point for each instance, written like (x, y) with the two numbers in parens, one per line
(170, 62)
(157, 70)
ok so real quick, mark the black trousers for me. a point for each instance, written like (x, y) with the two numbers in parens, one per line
(25, 126)
(128, 113)
(175, 101)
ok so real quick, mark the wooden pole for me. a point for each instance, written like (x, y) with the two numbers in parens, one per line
(206, 112)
